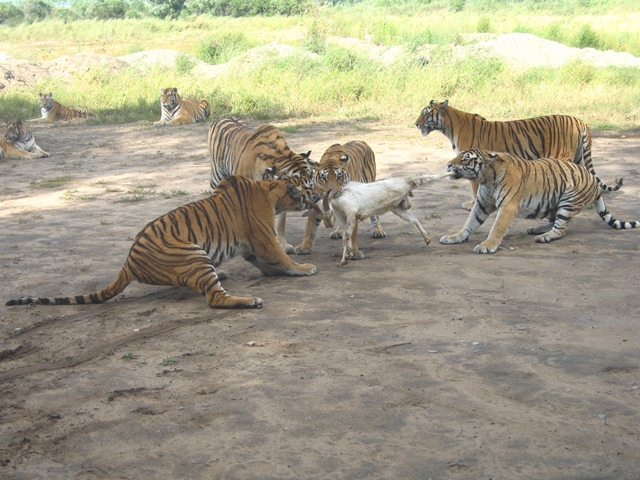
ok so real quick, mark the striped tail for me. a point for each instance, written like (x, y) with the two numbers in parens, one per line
(118, 285)
(583, 157)
(601, 208)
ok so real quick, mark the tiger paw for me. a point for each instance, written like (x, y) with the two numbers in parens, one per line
(468, 205)
(377, 233)
(302, 250)
(451, 239)
(483, 248)
(357, 255)
(336, 234)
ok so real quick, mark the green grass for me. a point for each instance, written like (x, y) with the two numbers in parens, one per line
(328, 82)
(51, 182)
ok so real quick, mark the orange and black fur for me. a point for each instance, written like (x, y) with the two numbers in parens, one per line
(237, 149)
(53, 111)
(175, 110)
(185, 246)
(544, 188)
(552, 136)
(18, 142)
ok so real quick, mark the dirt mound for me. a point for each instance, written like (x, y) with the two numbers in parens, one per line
(19, 72)
(71, 65)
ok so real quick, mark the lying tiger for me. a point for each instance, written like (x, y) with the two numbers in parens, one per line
(175, 110)
(338, 165)
(237, 149)
(52, 111)
(556, 136)
(19, 142)
(544, 188)
(184, 247)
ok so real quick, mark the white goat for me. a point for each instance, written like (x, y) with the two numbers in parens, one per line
(358, 201)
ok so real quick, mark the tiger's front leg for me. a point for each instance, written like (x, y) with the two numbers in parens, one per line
(281, 222)
(313, 221)
(504, 219)
(476, 218)
(270, 259)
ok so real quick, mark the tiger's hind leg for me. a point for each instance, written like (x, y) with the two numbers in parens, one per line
(197, 272)
(558, 227)
(337, 234)
(270, 259)
(376, 230)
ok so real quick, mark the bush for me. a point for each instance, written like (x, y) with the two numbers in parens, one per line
(588, 37)
(36, 10)
(10, 14)
(218, 49)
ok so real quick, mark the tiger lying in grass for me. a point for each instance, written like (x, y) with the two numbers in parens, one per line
(175, 110)
(544, 188)
(19, 142)
(53, 111)
(184, 247)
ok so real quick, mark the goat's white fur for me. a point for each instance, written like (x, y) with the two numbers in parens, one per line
(358, 201)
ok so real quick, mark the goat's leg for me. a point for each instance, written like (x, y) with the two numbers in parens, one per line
(408, 217)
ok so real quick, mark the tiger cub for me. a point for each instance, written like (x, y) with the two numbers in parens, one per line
(53, 111)
(339, 165)
(237, 149)
(184, 247)
(555, 136)
(18, 142)
(544, 188)
(175, 110)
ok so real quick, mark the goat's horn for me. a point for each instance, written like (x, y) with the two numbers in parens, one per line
(316, 208)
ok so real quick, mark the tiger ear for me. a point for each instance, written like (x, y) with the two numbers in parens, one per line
(175, 90)
(493, 155)
(344, 158)
(306, 155)
(293, 190)
(444, 104)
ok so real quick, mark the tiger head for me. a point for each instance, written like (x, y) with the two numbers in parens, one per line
(46, 100)
(430, 118)
(470, 163)
(169, 98)
(297, 170)
(16, 131)
(333, 170)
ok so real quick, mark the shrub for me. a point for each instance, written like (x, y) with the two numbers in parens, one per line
(10, 14)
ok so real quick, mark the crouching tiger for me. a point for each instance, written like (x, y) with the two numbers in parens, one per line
(339, 165)
(51, 111)
(175, 110)
(551, 136)
(18, 142)
(184, 247)
(545, 188)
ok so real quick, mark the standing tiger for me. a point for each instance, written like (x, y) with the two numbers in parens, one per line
(175, 110)
(184, 247)
(53, 111)
(545, 188)
(20, 138)
(237, 149)
(556, 136)
(340, 164)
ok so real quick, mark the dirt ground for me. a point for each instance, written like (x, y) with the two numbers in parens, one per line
(417, 362)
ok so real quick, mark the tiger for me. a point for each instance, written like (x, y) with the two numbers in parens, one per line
(17, 141)
(21, 137)
(53, 111)
(558, 136)
(175, 110)
(257, 153)
(338, 165)
(544, 188)
(185, 246)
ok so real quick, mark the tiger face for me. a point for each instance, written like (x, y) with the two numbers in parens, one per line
(169, 98)
(430, 117)
(46, 100)
(333, 170)
(469, 164)
(15, 131)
